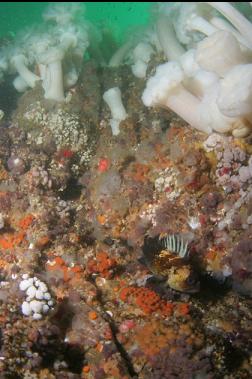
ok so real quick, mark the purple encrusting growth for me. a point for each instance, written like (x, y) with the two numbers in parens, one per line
(241, 264)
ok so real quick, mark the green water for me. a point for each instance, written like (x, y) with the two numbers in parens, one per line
(119, 17)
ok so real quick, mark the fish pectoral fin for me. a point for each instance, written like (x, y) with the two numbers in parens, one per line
(142, 260)
(156, 279)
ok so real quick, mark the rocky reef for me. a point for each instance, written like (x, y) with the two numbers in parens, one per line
(80, 206)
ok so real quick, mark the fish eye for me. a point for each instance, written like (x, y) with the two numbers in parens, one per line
(191, 280)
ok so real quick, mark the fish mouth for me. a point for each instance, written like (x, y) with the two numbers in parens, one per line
(185, 287)
(194, 289)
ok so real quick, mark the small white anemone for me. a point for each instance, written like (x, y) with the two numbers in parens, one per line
(141, 57)
(168, 39)
(192, 22)
(20, 62)
(235, 97)
(3, 61)
(219, 53)
(113, 99)
(53, 82)
(240, 22)
(63, 12)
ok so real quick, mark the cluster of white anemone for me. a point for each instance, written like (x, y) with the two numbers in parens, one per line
(56, 49)
(137, 51)
(207, 80)
(38, 300)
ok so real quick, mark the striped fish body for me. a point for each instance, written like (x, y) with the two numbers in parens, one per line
(165, 261)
